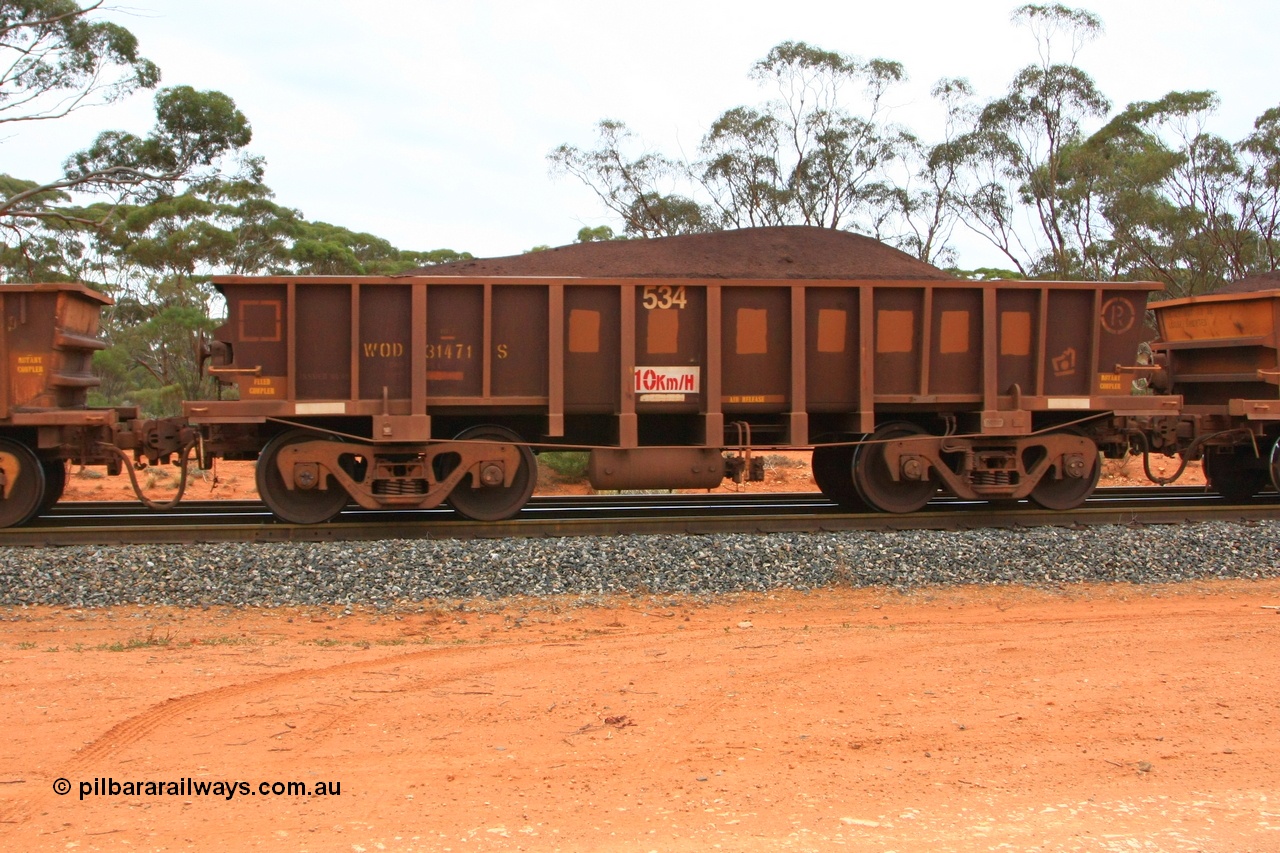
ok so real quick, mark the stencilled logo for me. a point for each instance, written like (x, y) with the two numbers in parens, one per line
(1118, 315)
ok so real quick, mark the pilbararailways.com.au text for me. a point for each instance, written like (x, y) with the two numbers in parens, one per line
(188, 787)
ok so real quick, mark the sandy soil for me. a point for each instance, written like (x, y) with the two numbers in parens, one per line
(1084, 718)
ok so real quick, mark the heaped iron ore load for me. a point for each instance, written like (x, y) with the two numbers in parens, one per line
(672, 361)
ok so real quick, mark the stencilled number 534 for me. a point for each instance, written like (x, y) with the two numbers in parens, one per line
(664, 296)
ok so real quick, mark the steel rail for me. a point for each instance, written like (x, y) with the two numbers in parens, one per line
(249, 521)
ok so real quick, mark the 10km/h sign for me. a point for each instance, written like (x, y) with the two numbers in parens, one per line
(666, 380)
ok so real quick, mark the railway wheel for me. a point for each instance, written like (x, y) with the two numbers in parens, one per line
(1067, 492)
(24, 483)
(55, 482)
(297, 505)
(874, 481)
(1275, 465)
(494, 502)
(833, 472)
(1237, 476)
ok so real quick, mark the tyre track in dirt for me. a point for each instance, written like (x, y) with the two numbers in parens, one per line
(140, 726)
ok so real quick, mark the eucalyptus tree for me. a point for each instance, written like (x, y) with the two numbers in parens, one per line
(805, 156)
(1184, 205)
(1016, 151)
(57, 58)
(636, 187)
(929, 197)
(1260, 189)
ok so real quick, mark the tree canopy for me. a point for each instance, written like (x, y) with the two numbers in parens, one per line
(148, 218)
(1049, 173)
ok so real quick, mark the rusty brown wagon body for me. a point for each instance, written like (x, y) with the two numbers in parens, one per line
(48, 336)
(1221, 353)
(406, 391)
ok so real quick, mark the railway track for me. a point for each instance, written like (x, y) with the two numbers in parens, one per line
(596, 515)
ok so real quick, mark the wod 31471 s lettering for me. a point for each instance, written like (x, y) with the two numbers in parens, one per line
(446, 350)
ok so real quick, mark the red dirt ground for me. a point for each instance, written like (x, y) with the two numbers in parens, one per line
(965, 719)
(1081, 718)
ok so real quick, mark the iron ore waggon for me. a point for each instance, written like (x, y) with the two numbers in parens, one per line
(671, 361)
(409, 391)
(48, 336)
(1221, 354)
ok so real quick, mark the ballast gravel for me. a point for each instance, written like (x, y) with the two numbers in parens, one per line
(394, 573)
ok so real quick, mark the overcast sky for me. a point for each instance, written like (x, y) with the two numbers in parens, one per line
(429, 123)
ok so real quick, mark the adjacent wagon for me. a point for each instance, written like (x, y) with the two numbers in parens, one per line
(1221, 353)
(47, 341)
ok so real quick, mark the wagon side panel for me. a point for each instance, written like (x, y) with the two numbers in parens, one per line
(832, 363)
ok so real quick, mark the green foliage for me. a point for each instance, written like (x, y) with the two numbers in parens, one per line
(570, 465)
(1171, 202)
(987, 274)
(194, 131)
(155, 336)
(57, 60)
(599, 234)
(319, 248)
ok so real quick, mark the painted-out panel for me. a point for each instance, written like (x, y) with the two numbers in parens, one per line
(663, 334)
(756, 345)
(898, 312)
(592, 371)
(584, 331)
(831, 352)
